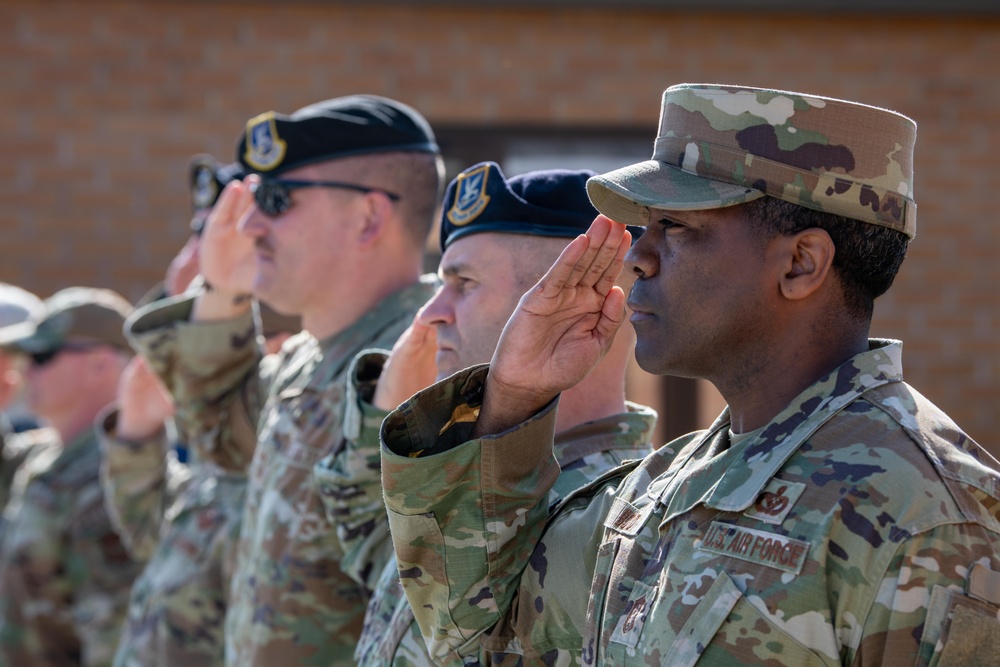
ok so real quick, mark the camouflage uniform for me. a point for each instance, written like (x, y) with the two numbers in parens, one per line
(350, 485)
(289, 601)
(65, 573)
(860, 526)
(16, 451)
(723, 145)
(183, 522)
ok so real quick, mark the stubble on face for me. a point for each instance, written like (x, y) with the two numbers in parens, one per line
(501, 268)
(301, 254)
(704, 306)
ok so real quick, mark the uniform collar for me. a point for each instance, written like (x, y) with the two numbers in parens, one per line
(744, 471)
(336, 351)
(629, 429)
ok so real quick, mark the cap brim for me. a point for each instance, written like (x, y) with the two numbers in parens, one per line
(626, 195)
(25, 337)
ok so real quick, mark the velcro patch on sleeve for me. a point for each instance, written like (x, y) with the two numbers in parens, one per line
(973, 640)
(984, 584)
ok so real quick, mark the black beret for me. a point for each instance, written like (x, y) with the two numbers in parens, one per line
(540, 203)
(336, 128)
(208, 178)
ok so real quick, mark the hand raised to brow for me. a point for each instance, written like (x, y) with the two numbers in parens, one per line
(561, 328)
(409, 368)
(143, 401)
(227, 255)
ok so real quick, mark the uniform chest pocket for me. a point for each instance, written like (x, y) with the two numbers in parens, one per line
(305, 425)
(725, 628)
(189, 553)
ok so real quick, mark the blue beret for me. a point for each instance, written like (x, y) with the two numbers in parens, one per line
(539, 203)
(273, 143)
(207, 178)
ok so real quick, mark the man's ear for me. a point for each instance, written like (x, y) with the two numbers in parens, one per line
(377, 211)
(809, 257)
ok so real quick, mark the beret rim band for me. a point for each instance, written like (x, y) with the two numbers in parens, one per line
(515, 227)
(430, 148)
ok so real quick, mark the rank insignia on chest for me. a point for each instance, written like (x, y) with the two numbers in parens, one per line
(775, 501)
(471, 198)
(756, 546)
(265, 149)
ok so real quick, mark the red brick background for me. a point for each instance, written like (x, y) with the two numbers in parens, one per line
(104, 103)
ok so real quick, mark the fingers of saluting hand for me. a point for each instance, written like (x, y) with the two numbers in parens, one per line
(616, 246)
(233, 203)
(591, 260)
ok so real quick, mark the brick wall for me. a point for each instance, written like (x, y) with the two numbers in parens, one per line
(104, 102)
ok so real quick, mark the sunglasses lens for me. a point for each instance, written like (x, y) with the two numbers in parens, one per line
(42, 358)
(272, 198)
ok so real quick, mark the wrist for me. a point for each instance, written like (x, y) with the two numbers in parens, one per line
(215, 303)
(125, 426)
(505, 407)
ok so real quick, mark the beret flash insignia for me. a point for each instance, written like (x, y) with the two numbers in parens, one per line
(204, 189)
(470, 196)
(265, 149)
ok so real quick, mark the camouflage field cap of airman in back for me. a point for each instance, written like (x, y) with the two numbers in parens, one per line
(17, 305)
(77, 314)
(720, 146)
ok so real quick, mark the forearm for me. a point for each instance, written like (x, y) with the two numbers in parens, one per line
(212, 371)
(139, 481)
(464, 515)
(212, 304)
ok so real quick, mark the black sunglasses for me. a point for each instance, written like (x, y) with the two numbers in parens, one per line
(39, 359)
(274, 196)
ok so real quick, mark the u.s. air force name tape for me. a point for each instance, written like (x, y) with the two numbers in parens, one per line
(756, 546)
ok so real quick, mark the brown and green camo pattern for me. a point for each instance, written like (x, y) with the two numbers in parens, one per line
(16, 451)
(182, 521)
(64, 573)
(290, 602)
(350, 483)
(892, 504)
(829, 155)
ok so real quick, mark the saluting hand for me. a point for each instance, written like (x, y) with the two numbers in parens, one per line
(143, 402)
(410, 367)
(227, 256)
(560, 330)
(226, 259)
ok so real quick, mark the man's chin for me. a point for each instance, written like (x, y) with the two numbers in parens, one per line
(446, 371)
(265, 289)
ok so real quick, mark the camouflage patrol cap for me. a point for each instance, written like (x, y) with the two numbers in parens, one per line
(274, 143)
(78, 314)
(17, 305)
(720, 146)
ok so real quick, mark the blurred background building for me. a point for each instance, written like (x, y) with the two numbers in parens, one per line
(104, 102)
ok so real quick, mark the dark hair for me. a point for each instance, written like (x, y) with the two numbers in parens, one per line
(866, 258)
